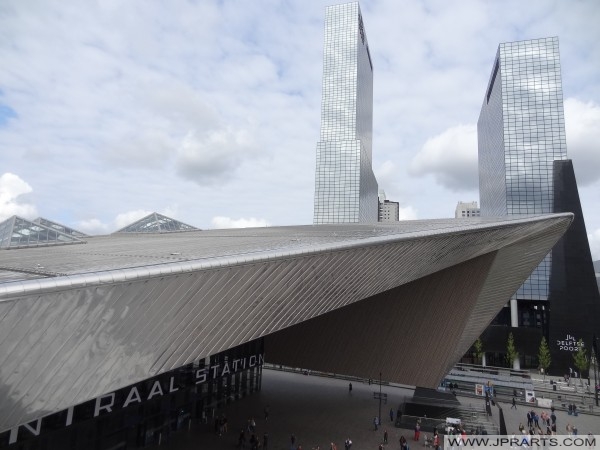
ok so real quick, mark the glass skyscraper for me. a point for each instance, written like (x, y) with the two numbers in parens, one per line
(345, 186)
(521, 131)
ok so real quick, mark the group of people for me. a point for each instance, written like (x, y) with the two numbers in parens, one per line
(536, 423)
(248, 435)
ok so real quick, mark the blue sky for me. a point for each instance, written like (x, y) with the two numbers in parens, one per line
(209, 111)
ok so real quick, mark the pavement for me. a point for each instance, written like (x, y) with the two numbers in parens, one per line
(319, 411)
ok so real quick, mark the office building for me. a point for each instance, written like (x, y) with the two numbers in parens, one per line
(467, 209)
(388, 211)
(345, 186)
(521, 137)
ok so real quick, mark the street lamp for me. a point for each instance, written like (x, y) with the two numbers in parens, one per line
(380, 398)
(594, 361)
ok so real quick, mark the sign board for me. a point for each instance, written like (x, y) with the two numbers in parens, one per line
(479, 389)
(544, 402)
(530, 396)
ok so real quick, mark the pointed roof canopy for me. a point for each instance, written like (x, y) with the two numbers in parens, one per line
(60, 227)
(16, 232)
(156, 223)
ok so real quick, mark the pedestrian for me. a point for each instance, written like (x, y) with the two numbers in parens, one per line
(242, 439)
(376, 422)
(385, 436)
(293, 439)
(403, 443)
(391, 414)
(529, 419)
(333, 446)
(436, 442)
(514, 403)
(349, 387)
(266, 413)
(417, 430)
(253, 442)
(380, 446)
(348, 444)
(265, 441)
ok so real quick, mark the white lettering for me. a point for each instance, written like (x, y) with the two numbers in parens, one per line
(171, 387)
(14, 432)
(243, 363)
(38, 426)
(200, 376)
(261, 359)
(252, 362)
(133, 396)
(235, 361)
(214, 368)
(225, 369)
(69, 416)
(156, 389)
(99, 406)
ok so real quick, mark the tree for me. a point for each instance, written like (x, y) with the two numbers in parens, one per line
(581, 360)
(544, 356)
(478, 347)
(511, 352)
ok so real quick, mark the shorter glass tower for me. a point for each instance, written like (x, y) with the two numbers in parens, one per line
(345, 186)
(521, 132)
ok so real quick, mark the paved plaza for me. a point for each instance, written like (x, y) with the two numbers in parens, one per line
(320, 410)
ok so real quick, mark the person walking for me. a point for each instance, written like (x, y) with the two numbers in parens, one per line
(348, 444)
(417, 431)
(350, 388)
(376, 423)
(514, 403)
(436, 442)
(391, 414)
(385, 436)
(265, 441)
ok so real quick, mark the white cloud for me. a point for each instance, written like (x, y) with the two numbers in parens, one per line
(451, 157)
(220, 222)
(126, 218)
(594, 239)
(407, 213)
(205, 159)
(12, 188)
(582, 124)
(93, 227)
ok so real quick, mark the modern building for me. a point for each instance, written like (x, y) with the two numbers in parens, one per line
(467, 209)
(388, 211)
(521, 134)
(345, 186)
(124, 338)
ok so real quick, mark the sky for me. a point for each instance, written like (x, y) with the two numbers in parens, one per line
(209, 111)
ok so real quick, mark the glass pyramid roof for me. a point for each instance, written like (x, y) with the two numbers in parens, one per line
(156, 223)
(60, 227)
(16, 232)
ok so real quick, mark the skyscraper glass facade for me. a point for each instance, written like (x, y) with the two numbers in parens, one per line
(345, 186)
(521, 131)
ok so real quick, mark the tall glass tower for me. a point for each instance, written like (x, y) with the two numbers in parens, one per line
(521, 131)
(345, 186)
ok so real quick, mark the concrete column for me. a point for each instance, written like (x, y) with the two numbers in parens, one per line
(483, 360)
(514, 313)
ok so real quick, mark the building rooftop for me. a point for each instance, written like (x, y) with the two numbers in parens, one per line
(213, 247)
